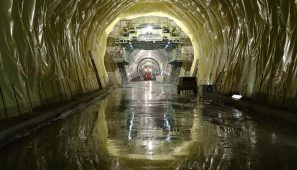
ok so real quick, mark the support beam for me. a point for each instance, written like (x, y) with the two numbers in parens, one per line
(95, 70)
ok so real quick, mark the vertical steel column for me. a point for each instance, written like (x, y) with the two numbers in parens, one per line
(40, 96)
(95, 70)
(4, 105)
(29, 97)
(17, 102)
(55, 99)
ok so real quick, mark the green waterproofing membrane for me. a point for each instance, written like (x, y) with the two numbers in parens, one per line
(45, 44)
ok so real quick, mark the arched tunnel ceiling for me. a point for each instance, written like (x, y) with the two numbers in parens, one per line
(253, 42)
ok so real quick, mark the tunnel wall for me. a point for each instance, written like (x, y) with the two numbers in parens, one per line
(254, 43)
(44, 51)
(44, 46)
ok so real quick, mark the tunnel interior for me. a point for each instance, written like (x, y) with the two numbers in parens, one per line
(148, 46)
(148, 69)
(52, 51)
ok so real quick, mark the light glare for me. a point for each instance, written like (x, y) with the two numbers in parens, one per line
(236, 97)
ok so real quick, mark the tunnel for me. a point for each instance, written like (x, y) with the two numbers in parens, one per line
(57, 53)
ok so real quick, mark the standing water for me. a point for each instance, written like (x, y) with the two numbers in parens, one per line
(148, 126)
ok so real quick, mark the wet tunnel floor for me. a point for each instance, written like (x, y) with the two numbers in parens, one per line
(148, 126)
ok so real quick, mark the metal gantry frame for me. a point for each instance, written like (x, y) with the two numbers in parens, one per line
(130, 30)
(149, 33)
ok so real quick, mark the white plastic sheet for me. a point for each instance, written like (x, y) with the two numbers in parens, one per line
(44, 45)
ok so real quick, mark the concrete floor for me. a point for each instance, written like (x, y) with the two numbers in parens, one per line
(148, 126)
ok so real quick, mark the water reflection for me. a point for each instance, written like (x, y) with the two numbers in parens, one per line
(148, 131)
(147, 126)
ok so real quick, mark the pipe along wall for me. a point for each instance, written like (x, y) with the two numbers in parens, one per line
(45, 45)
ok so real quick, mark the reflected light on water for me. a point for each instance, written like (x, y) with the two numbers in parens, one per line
(237, 114)
(131, 125)
(150, 145)
(124, 132)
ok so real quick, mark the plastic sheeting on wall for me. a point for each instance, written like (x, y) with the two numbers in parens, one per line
(44, 52)
(44, 45)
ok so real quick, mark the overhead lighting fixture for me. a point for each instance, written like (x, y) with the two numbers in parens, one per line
(236, 96)
(148, 29)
